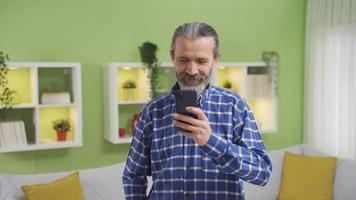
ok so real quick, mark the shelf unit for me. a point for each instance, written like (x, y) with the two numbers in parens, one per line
(245, 78)
(119, 109)
(30, 80)
(252, 81)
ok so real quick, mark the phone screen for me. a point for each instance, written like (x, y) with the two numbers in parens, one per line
(185, 98)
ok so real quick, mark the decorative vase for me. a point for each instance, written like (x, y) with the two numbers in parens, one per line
(129, 94)
(122, 132)
(61, 136)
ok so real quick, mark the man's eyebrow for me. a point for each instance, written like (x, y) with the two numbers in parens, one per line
(203, 58)
(182, 57)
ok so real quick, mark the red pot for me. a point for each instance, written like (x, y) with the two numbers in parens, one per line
(122, 132)
(61, 136)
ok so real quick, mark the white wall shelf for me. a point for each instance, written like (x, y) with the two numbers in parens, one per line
(131, 102)
(253, 82)
(30, 80)
(246, 79)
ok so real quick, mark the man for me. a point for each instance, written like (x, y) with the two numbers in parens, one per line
(216, 151)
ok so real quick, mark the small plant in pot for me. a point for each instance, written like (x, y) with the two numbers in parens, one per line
(227, 85)
(129, 85)
(62, 126)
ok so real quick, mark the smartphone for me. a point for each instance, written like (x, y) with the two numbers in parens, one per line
(185, 98)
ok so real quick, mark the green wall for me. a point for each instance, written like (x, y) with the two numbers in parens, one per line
(94, 32)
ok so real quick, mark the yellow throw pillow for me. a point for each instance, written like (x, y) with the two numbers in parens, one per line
(67, 188)
(307, 177)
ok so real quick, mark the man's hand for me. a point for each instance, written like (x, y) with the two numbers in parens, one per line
(197, 129)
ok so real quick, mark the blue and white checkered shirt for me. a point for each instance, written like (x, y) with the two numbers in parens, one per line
(180, 168)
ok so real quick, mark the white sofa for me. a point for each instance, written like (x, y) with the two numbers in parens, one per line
(105, 183)
(344, 178)
(102, 183)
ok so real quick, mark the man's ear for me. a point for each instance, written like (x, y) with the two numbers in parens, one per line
(171, 52)
(217, 58)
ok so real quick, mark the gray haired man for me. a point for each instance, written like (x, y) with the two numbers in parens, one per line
(215, 152)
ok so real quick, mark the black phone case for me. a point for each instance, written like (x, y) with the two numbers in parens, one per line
(185, 98)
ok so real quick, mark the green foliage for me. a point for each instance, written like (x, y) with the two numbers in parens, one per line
(61, 125)
(227, 84)
(129, 84)
(148, 52)
(271, 58)
(5, 93)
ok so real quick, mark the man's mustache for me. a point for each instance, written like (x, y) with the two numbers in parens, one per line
(185, 76)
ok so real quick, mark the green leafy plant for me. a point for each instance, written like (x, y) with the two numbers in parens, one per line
(227, 85)
(61, 125)
(129, 84)
(149, 58)
(271, 58)
(5, 93)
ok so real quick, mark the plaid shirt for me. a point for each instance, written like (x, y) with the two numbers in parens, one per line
(180, 168)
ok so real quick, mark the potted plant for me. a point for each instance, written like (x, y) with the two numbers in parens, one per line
(62, 126)
(5, 92)
(271, 58)
(227, 85)
(13, 133)
(148, 57)
(129, 85)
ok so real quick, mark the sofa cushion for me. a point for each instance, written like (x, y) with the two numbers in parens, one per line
(345, 180)
(270, 190)
(11, 184)
(345, 175)
(307, 177)
(97, 183)
(103, 182)
(67, 188)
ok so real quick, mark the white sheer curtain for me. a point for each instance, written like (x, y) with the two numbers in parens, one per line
(330, 77)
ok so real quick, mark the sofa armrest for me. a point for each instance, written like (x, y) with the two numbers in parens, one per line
(271, 189)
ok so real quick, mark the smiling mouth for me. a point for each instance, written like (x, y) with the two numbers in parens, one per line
(192, 81)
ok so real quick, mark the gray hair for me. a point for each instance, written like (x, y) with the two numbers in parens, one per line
(193, 30)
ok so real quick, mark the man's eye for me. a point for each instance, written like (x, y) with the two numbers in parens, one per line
(201, 61)
(183, 60)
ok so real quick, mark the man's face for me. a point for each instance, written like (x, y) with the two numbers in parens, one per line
(193, 60)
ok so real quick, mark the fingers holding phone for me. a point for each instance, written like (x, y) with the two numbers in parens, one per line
(197, 129)
(190, 119)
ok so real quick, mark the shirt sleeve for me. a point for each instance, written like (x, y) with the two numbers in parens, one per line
(138, 162)
(245, 156)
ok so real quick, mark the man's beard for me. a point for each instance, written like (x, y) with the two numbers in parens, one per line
(197, 82)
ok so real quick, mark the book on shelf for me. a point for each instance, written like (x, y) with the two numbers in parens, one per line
(9, 134)
(258, 82)
(2, 138)
(12, 134)
(55, 98)
(21, 133)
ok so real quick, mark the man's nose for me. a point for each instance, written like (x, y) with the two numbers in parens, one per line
(192, 69)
